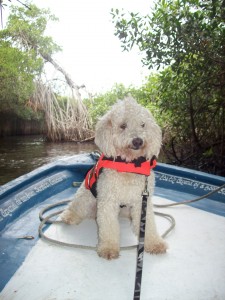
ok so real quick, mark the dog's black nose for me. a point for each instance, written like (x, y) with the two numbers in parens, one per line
(137, 143)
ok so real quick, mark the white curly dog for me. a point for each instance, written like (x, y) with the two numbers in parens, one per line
(128, 132)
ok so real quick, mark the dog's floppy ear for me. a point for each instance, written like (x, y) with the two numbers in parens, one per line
(155, 140)
(103, 135)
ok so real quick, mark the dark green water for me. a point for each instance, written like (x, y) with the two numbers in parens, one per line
(22, 154)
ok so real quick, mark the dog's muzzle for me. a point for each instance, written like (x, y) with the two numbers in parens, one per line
(137, 143)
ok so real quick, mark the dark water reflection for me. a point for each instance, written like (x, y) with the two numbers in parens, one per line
(22, 154)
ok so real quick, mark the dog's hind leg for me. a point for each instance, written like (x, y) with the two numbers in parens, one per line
(153, 242)
(83, 206)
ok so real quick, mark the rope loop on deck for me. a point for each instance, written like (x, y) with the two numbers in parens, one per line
(49, 220)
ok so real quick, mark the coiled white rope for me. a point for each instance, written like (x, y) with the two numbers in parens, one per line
(193, 200)
(48, 220)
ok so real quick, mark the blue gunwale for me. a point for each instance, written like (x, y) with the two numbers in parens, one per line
(49, 183)
(167, 177)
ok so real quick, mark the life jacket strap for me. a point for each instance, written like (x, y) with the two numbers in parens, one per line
(137, 166)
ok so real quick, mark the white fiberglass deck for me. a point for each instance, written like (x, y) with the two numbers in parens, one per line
(192, 269)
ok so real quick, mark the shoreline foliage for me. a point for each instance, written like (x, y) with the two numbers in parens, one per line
(185, 41)
(26, 43)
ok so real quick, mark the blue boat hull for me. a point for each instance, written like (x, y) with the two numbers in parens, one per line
(22, 199)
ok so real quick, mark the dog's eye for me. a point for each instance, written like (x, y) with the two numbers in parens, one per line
(123, 126)
(143, 125)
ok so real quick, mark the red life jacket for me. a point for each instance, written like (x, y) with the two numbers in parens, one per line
(137, 166)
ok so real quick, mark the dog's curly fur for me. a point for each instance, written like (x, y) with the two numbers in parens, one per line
(128, 130)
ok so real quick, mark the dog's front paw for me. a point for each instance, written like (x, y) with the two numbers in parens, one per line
(158, 246)
(70, 217)
(108, 252)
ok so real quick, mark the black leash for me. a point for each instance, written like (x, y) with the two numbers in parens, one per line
(140, 246)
